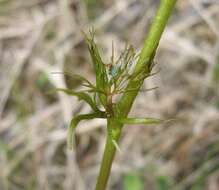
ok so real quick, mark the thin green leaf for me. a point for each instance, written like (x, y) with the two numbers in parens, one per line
(146, 121)
(74, 123)
(76, 76)
(136, 89)
(81, 96)
(70, 132)
(100, 69)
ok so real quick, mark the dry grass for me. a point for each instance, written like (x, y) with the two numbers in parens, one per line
(38, 37)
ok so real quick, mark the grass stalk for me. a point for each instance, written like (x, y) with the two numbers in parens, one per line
(147, 53)
(108, 156)
(125, 104)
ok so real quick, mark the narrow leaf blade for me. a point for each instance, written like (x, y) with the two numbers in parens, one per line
(74, 123)
(70, 132)
(100, 69)
(75, 76)
(81, 96)
(146, 121)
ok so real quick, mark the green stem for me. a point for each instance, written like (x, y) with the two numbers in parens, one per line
(125, 104)
(108, 156)
(147, 54)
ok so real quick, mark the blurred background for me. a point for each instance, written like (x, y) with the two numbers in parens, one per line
(40, 37)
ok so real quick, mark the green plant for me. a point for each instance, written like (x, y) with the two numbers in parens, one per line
(133, 181)
(117, 85)
(163, 183)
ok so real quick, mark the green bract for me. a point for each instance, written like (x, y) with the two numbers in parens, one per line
(112, 79)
